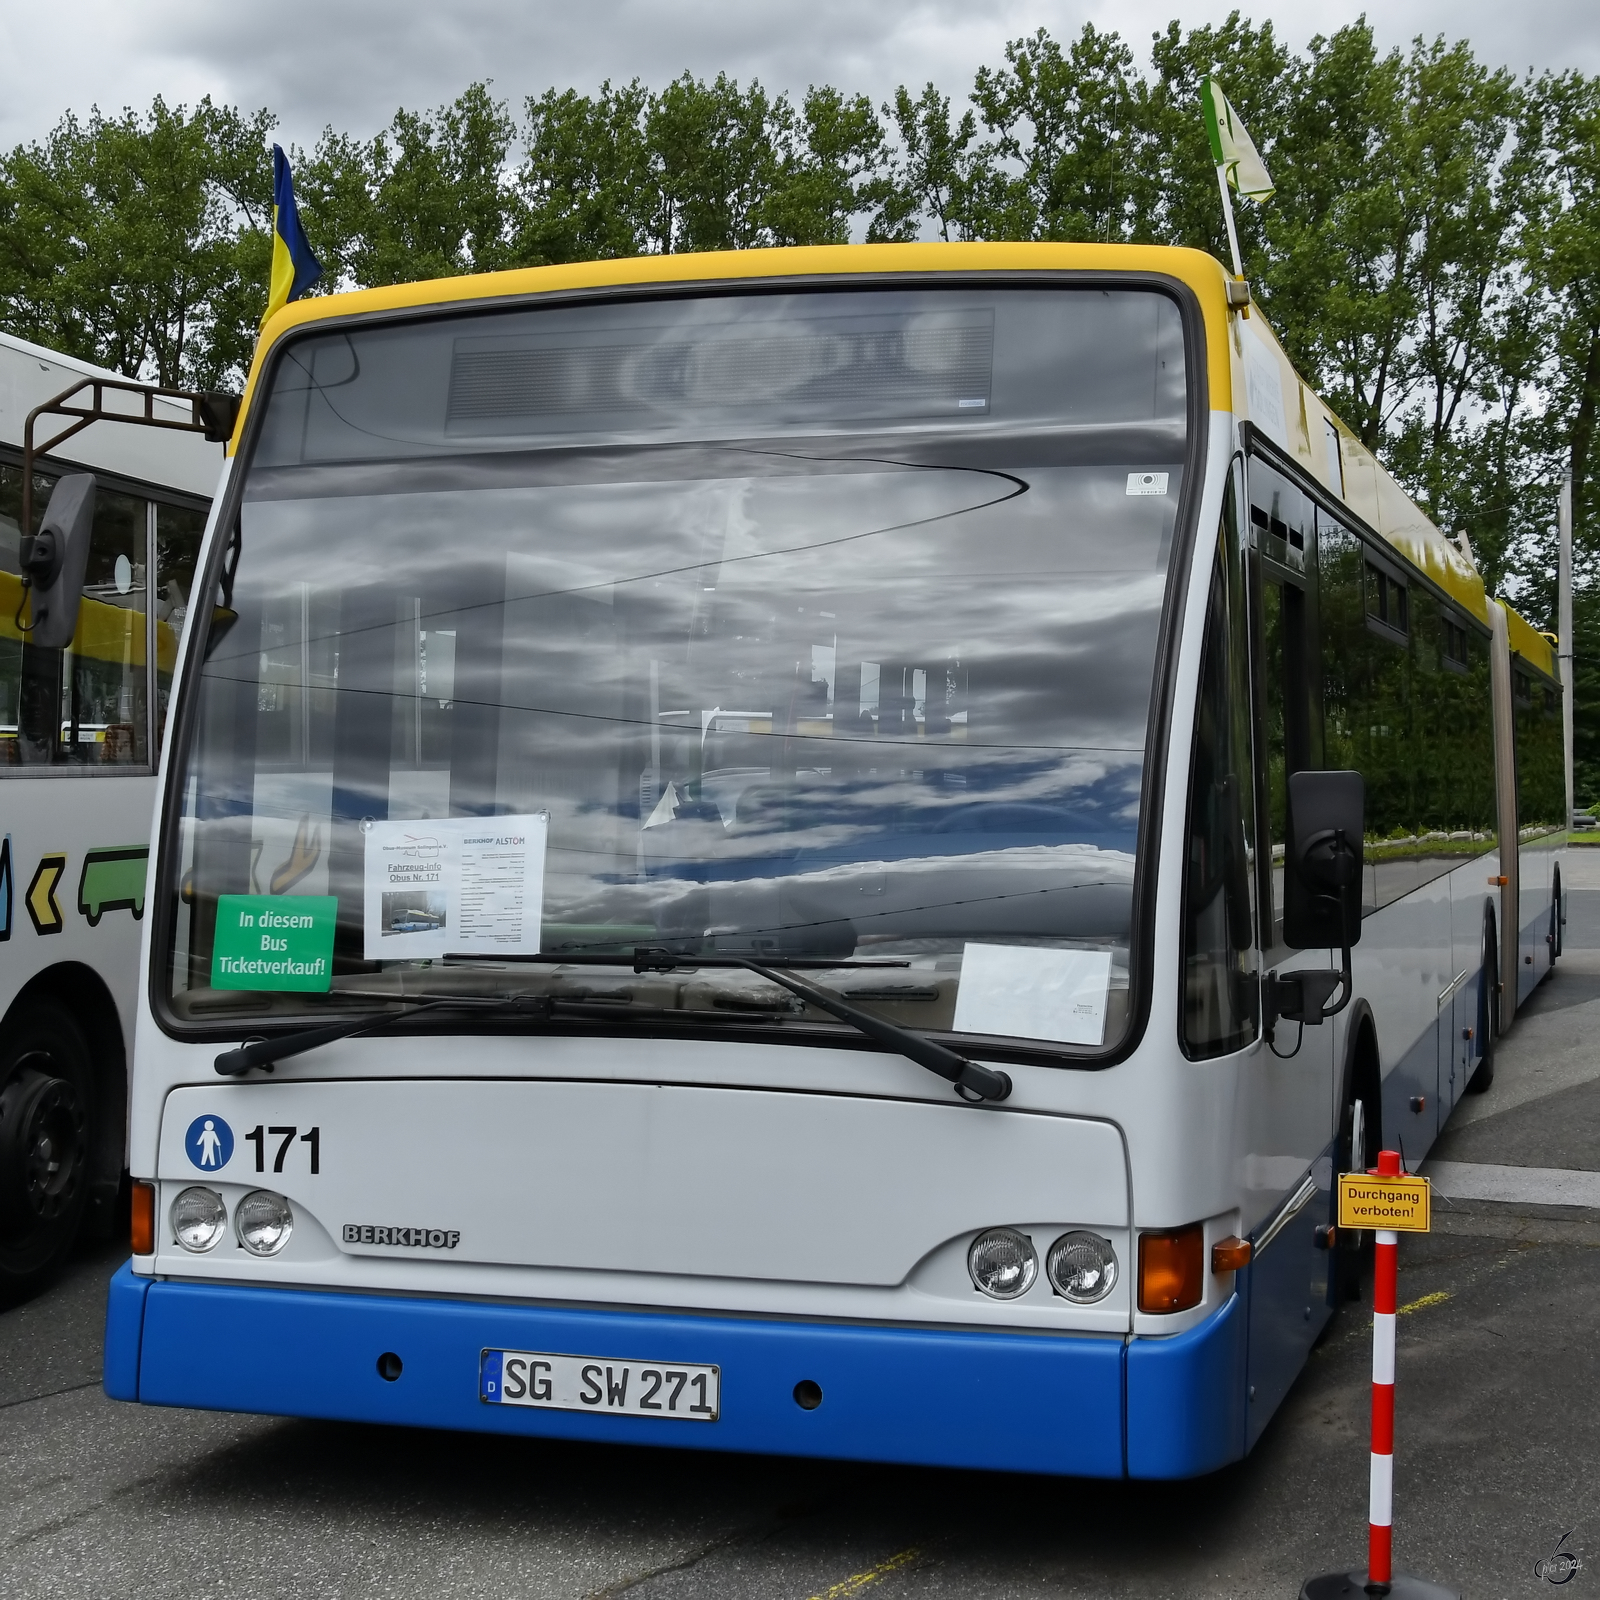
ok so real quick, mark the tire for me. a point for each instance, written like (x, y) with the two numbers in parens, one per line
(1557, 920)
(1488, 1008)
(47, 1136)
(1359, 1136)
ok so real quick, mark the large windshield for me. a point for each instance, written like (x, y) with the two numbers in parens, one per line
(806, 626)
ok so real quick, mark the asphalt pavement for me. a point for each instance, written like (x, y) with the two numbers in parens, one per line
(1498, 1447)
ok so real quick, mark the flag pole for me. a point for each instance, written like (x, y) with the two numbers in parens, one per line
(1227, 212)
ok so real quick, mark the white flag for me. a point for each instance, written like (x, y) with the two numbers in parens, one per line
(1232, 148)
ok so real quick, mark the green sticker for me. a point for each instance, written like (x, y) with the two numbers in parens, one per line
(274, 941)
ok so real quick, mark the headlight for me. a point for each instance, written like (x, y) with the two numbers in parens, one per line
(198, 1218)
(263, 1222)
(1081, 1267)
(1002, 1263)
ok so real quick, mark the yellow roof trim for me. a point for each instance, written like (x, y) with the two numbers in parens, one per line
(1200, 272)
(1533, 646)
(1369, 490)
(1362, 482)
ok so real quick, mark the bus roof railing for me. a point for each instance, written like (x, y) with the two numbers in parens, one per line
(212, 413)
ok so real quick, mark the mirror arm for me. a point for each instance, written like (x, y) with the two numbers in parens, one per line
(1303, 996)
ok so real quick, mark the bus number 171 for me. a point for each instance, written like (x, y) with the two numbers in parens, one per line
(259, 1135)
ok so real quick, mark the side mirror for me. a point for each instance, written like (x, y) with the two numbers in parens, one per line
(55, 559)
(1321, 893)
(1322, 884)
(219, 414)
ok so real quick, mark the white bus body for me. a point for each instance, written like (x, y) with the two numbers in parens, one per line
(75, 823)
(657, 1199)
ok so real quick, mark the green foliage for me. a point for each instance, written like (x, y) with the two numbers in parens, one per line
(1431, 258)
(139, 241)
(1073, 127)
(426, 198)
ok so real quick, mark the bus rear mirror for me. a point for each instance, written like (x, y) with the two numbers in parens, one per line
(1322, 887)
(55, 559)
(219, 414)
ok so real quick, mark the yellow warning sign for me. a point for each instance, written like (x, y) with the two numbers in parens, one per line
(1400, 1204)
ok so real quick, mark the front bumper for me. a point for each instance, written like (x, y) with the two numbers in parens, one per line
(1047, 1403)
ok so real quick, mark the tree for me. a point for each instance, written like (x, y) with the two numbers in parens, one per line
(140, 242)
(938, 173)
(586, 184)
(1561, 249)
(831, 168)
(429, 197)
(1074, 126)
(1255, 72)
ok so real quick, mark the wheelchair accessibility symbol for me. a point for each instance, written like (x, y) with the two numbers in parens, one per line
(209, 1142)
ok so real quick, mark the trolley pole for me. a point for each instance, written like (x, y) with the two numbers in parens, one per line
(1365, 1199)
(1564, 624)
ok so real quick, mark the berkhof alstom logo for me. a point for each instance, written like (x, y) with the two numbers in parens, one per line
(406, 1238)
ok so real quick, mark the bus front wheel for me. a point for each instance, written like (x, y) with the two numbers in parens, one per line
(46, 1111)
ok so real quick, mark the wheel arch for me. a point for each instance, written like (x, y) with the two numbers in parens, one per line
(1491, 952)
(81, 992)
(1362, 1071)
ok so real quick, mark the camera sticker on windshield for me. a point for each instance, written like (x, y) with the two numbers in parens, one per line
(459, 884)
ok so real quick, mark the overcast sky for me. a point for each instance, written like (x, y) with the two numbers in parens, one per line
(349, 63)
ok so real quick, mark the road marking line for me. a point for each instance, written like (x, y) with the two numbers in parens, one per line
(863, 1580)
(1437, 1298)
(1542, 1186)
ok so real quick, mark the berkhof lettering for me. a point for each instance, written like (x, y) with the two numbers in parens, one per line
(407, 1238)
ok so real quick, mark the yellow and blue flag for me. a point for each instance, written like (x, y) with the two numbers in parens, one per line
(294, 268)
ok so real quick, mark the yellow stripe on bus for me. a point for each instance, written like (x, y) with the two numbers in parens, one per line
(105, 632)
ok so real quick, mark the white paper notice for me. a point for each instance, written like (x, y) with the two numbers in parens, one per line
(1026, 992)
(454, 883)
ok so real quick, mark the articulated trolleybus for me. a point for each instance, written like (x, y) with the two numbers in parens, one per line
(820, 851)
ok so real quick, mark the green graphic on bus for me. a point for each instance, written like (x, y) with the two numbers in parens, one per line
(274, 941)
(112, 880)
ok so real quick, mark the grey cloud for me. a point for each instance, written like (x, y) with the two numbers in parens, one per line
(350, 64)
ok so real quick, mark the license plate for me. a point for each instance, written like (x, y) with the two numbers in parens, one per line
(596, 1383)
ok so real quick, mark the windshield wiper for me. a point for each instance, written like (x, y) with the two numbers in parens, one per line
(972, 1082)
(675, 959)
(265, 1053)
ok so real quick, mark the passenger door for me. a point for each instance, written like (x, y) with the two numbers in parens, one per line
(1290, 1086)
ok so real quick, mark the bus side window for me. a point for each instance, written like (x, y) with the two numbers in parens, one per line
(1346, 649)
(1287, 702)
(10, 601)
(105, 685)
(1220, 994)
(1286, 729)
(85, 705)
(178, 531)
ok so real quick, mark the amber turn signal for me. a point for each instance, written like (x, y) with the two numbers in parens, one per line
(1230, 1254)
(143, 1232)
(1170, 1269)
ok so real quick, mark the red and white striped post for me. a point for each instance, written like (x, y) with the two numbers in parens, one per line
(1410, 1211)
(1380, 1511)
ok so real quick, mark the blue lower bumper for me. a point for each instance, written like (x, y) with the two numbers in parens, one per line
(1024, 1403)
